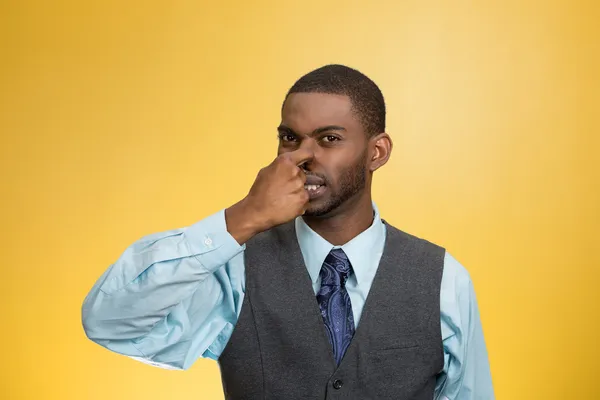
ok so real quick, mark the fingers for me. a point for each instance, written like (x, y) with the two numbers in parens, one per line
(305, 206)
(302, 176)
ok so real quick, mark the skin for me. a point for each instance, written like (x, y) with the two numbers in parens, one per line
(319, 135)
(343, 156)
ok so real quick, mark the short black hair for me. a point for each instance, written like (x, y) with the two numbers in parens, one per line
(367, 100)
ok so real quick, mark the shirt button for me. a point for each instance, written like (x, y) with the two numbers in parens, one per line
(208, 241)
(337, 384)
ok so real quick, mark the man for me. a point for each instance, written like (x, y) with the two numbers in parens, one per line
(301, 289)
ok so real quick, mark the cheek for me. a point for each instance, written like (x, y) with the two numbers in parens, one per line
(335, 169)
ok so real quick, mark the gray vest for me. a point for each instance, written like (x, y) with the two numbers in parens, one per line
(279, 348)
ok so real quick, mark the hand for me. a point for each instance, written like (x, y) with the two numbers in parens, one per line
(277, 196)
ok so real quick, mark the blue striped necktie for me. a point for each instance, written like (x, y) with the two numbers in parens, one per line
(334, 302)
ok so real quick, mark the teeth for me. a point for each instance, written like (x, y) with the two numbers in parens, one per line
(311, 187)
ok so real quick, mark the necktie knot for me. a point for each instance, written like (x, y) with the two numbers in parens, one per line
(336, 269)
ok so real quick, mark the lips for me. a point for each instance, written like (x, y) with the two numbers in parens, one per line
(315, 191)
(315, 186)
(313, 180)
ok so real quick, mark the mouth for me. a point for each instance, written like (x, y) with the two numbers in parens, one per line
(315, 191)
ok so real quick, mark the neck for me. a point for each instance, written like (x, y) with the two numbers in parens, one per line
(348, 221)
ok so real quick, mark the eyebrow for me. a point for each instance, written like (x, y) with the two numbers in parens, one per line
(283, 128)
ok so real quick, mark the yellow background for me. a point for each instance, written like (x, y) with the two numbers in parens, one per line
(123, 118)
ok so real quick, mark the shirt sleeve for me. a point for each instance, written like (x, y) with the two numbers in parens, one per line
(466, 374)
(171, 297)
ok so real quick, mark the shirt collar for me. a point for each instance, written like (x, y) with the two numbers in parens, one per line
(315, 248)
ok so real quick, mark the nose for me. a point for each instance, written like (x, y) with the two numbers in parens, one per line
(309, 144)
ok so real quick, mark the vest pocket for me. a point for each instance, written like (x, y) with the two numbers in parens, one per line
(395, 343)
(395, 372)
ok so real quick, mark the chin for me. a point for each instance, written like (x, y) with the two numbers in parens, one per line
(320, 209)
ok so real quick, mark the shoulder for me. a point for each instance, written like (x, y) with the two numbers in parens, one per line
(419, 244)
(456, 278)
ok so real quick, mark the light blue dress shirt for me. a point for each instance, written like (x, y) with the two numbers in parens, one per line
(174, 296)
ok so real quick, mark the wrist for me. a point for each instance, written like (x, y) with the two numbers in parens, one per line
(242, 222)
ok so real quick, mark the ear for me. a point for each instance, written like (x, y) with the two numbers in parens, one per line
(381, 146)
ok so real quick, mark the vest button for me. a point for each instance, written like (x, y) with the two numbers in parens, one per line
(337, 384)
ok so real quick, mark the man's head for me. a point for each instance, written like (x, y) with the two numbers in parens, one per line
(339, 113)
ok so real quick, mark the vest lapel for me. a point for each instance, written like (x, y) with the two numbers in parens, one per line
(297, 276)
(361, 335)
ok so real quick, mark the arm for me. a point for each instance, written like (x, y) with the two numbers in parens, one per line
(175, 296)
(171, 297)
(466, 373)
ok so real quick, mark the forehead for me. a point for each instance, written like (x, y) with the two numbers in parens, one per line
(305, 112)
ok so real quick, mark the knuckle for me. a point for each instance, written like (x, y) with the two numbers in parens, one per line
(279, 160)
(285, 157)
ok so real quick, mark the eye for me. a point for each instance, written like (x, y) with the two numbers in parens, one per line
(330, 138)
(286, 137)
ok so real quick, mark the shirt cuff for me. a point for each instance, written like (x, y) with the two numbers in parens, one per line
(211, 243)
